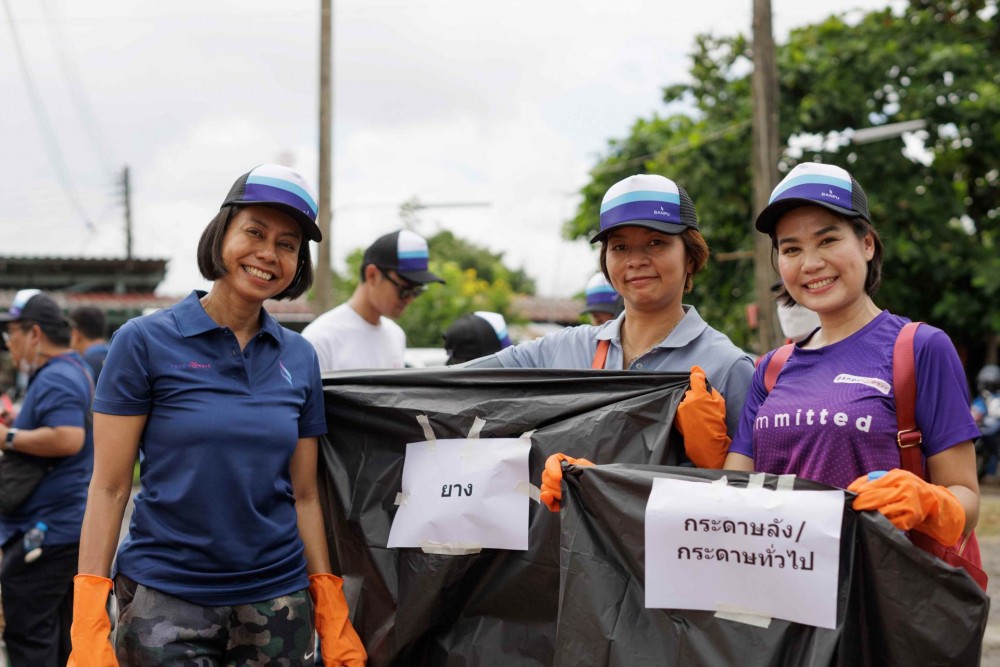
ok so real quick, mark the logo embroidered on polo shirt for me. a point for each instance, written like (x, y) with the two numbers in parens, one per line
(197, 365)
(285, 373)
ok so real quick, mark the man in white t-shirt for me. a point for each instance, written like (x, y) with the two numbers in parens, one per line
(361, 333)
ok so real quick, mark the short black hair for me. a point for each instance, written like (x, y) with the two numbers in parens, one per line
(210, 255)
(90, 321)
(58, 334)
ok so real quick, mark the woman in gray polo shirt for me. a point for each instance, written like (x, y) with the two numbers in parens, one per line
(651, 249)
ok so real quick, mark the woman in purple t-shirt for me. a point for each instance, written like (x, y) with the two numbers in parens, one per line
(831, 415)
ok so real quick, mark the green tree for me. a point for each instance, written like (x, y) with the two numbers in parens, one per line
(936, 61)
(489, 266)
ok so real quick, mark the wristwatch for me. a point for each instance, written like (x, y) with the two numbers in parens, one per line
(8, 442)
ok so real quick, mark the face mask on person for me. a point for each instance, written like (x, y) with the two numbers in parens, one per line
(797, 322)
(28, 368)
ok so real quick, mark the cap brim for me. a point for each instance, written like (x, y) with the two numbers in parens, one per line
(420, 277)
(769, 217)
(656, 225)
(6, 318)
(309, 227)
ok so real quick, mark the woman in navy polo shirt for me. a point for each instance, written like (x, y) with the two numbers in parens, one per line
(226, 558)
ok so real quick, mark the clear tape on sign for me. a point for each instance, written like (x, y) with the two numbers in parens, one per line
(731, 612)
(477, 426)
(786, 483)
(529, 490)
(425, 424)
(450, 548)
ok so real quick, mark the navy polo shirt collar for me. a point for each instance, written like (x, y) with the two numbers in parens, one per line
(690, 327)
(192, 320)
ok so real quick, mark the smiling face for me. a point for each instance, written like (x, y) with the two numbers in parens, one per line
(260, 251)
(647, 268)
(822, 262)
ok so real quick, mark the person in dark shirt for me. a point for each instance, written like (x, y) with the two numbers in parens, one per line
(88, 336)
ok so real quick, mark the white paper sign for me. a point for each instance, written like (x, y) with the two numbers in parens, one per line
(717, 547)
(466, 492)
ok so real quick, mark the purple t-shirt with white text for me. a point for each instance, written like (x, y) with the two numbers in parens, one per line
(831, 415)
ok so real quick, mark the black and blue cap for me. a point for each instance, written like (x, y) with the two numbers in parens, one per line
(600, 296)
(815, 184)
(35, 306)
(279, 187)
(475, 335)
(647, 200)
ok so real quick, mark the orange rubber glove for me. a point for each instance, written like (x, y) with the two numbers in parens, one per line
(552, 479)
(340, 643)
(91, 625)
(911, 503)
(701, 419)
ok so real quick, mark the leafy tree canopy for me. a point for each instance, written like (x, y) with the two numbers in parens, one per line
(937, 211)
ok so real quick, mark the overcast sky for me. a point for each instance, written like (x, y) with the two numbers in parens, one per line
(446, 101)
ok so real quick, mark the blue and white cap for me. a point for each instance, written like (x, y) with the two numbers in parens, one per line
(815, 184)
(404, 252)
(499, 325)
(279, 187)
(647, 200)
(601, 296)
(475, 335)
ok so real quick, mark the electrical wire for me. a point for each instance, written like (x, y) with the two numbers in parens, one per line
(48, 134)
(71, 75)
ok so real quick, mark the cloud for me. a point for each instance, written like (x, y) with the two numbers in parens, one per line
(441, 100)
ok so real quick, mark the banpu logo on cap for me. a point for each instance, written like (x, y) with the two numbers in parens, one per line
(647, 200)
(814, 183)
(812, 180)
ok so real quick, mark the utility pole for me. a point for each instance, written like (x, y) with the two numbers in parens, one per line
(127, 193)
(765, 166)
(324, 274)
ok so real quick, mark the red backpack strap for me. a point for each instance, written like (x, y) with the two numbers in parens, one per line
(904, 382)
(776, 363)
(601, 354)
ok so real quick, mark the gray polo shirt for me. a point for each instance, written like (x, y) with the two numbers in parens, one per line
(692, 342)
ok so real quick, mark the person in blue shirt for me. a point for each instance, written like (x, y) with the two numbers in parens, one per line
(53, 430)
(226, 559)
(88, 336)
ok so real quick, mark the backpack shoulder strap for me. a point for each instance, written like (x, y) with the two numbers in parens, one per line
(601, 354)
(775, 364)
(904, 382)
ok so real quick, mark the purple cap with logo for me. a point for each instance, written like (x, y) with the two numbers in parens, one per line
(279, 187)
(646, 200)
(815, 184)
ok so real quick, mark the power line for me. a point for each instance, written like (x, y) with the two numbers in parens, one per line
(48, 135)
(74, 83)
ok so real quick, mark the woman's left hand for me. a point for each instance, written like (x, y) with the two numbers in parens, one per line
(911, 503)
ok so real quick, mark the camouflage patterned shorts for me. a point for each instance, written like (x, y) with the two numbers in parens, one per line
(157, 629)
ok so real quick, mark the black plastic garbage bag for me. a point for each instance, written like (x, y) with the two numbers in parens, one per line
(496, 607)
(897, 605)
